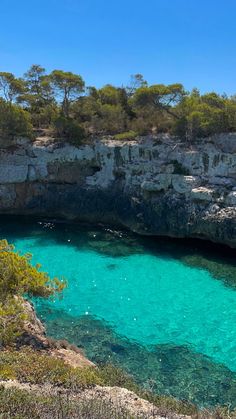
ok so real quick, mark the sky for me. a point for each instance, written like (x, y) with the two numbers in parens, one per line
(168, 41)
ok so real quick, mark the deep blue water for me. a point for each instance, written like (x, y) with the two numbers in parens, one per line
(163, 310)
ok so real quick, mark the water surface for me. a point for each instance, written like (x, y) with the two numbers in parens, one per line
(163, 310)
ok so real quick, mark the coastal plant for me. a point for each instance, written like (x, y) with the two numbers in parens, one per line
(19, 278)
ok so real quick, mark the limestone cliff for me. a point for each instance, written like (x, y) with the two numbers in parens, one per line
(156, 185)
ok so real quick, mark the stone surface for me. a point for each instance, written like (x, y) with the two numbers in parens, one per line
(156, 185)
(202, 194)
(35, 336)
(184, 184)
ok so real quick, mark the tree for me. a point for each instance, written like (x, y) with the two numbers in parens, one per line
(19, 278)
(38, 96)
(33, 79)
(200, 116)
(10, 87)
(136, 81)
(14, 121)
(67, 88)
(160, 97)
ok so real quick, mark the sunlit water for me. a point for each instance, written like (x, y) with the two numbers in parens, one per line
(148, 308)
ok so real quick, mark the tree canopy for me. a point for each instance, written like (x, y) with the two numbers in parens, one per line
(60, 102)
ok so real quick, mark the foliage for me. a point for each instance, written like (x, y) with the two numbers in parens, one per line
(36, 368)
(129, 135)
(14, 121)
(19, 278)
(205, 115)
(69, 129)
(32, 405)
(12, 317)
(10, 87)
(67, 86)
(61, 100)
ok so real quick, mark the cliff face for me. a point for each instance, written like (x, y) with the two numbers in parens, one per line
(157, 186)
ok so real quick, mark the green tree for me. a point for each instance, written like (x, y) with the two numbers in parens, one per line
(18, 278)
(38, 96)
(10, 87)
(14, 121)
(67, 87)
(136, 81)
(160, 97)
(201, 116)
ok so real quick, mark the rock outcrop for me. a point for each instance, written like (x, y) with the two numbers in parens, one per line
(34, 336)
(154, 186)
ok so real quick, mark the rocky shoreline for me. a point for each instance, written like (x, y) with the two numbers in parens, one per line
(120, 399)
(155, 185)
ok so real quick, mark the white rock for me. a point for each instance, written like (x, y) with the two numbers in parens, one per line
(202, 194)
(184, 184)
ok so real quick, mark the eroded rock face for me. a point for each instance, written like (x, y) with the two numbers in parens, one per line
(34, 336)
(156, 185)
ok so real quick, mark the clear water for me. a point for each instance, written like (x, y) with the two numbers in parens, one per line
(146, 305)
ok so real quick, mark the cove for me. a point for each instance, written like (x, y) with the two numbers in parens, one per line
(164, 311)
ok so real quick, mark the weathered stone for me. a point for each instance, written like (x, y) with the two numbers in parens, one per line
(231, 199)
(157, 185)
(184, 184)
(7, 196)
(202, 194)
(160, 183)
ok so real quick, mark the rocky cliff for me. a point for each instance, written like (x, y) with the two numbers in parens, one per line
(155, 186)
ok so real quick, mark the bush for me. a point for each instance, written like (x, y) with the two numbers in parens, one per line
(17, 279)
(14, 121)
(70, 130)
(129, 135)
(33, 405)
(37, 368)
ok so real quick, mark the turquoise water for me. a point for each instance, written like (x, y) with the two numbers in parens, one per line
(145, 304)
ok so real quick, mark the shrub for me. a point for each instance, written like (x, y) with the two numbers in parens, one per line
(17, 279)
(37, 368)
(129, 135)
(14, 121)
(70, 130)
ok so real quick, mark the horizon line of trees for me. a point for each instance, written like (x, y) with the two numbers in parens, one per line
(61, 102)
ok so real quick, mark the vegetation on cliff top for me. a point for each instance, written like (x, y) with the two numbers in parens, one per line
(61, 102)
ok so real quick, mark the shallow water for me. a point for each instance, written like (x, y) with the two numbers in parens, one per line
(147, 305)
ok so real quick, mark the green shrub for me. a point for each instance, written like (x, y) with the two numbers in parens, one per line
(37, 368)
(17, 279)
(70, 130)
(22, 404)
(129, 135)
(14, 121)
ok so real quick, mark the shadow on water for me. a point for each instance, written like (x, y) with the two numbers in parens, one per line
(164, 369)
(219, 261)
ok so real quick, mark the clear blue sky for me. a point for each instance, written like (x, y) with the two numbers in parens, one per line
(188, 41)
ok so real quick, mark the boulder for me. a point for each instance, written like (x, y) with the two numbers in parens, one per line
(184, 184)
(202, 194)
